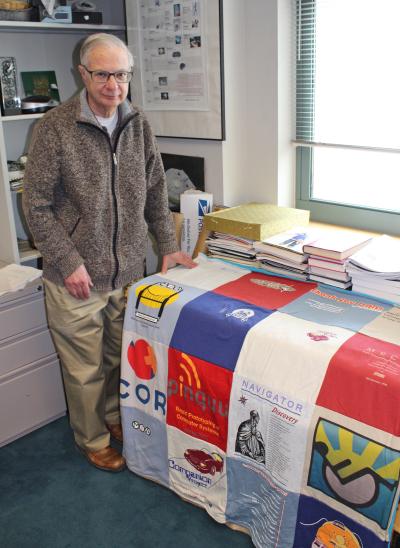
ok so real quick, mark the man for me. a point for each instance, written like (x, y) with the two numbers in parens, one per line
(94, 184)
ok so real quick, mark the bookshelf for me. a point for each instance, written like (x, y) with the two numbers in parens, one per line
(39, 46)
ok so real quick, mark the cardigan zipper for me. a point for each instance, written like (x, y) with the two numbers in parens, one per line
(113, 168)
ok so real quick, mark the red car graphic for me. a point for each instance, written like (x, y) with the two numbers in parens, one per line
(205, 462)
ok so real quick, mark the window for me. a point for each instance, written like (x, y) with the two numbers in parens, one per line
(348, 112)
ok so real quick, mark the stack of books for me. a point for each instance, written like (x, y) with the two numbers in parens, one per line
(333, 270)
(375, 269)
(236, 230)
(328, 261)
(251, 253)
(234, 248)
(248, 235)
(283, 253)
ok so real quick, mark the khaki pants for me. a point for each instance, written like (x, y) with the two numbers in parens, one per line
(87, 335)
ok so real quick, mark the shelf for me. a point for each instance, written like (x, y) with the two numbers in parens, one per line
(21, 117)
(29, 255)
(16, 25)
(26, 256)
(44, 46)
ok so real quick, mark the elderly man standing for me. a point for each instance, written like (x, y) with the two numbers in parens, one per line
(94, 185)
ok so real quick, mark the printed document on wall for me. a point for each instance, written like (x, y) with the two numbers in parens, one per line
(173, 50)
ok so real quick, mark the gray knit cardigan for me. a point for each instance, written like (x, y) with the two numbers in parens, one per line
(90, 200)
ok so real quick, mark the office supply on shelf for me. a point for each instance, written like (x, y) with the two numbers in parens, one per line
(10, 100)
(60, 14)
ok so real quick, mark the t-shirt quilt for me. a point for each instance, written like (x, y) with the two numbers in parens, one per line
(272, 403)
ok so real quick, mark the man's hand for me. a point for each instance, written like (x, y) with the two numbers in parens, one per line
(178, 257)
(78, 284)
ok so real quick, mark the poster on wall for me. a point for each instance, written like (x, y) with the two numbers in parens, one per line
(173, 48)
(178, 81)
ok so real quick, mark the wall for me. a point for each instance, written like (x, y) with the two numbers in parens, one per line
(211, 151)
(286, 157)
(256, 162)
(236, 183)
(258, 158)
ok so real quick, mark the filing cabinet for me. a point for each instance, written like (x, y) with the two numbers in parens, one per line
(31, 388)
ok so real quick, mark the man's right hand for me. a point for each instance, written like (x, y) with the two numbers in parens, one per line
(78, 283)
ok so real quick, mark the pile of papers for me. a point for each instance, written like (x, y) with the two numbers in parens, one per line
(375, 269)
(14, 277)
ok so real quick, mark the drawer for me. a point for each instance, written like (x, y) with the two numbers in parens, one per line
(30, 347)
(30, 289)
(31, 399)
(21, 315)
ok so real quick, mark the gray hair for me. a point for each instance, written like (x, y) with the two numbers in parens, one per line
(103, 39)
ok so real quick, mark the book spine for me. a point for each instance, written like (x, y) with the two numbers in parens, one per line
(339, 266)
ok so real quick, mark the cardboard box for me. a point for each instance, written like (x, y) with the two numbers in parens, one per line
(194, 205)
(153, 257)
(256, 221)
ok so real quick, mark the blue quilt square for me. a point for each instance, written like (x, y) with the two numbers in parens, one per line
(317, 522)
(213, 327)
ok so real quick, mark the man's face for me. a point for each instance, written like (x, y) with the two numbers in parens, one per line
(104, 98)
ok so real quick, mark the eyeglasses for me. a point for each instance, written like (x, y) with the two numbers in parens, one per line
(102, 76)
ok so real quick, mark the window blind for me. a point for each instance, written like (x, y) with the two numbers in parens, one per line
(305, 69)
(347, 75)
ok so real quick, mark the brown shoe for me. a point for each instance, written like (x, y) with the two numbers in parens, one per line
(106, 459)
(115, 431)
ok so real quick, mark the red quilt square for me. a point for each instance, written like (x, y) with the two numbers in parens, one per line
(198, 397)
(269, 292)
(363, 382)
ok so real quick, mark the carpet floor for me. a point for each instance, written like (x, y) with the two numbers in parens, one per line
(51, 497)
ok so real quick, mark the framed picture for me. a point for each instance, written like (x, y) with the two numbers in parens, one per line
(41, 83)
(178, 55)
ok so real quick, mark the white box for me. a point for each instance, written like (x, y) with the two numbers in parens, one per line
(194, 205)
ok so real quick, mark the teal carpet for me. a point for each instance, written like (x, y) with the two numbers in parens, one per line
(51, 497)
